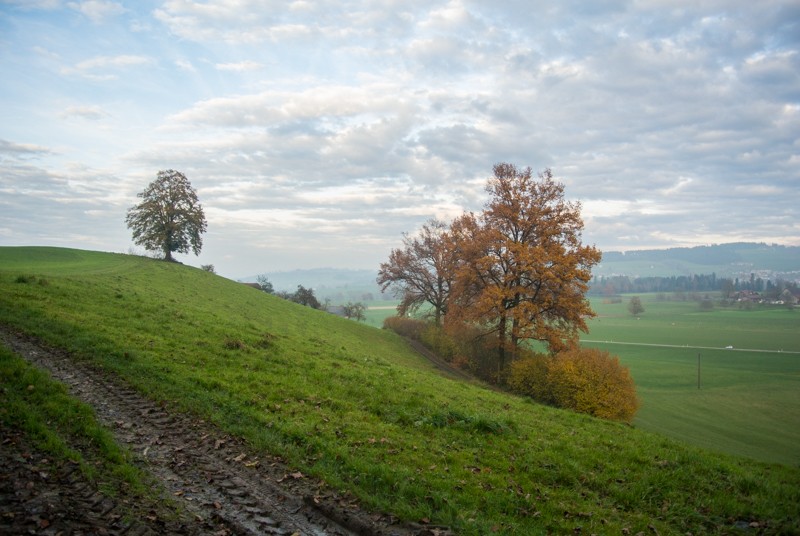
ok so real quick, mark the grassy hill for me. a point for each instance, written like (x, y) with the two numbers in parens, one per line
(358, 408)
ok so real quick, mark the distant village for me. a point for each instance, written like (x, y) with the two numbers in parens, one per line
(789, 296)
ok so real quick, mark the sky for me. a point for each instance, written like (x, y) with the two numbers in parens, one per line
(316, 133)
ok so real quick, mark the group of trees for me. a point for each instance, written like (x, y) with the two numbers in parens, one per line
(687, 284)
(622, 284)
(517, 270)
(305, 296)
(513, 277)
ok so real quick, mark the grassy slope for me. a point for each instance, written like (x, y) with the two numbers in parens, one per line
(749, 401)
(353, 405)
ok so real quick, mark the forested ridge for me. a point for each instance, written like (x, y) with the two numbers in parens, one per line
(761, 255)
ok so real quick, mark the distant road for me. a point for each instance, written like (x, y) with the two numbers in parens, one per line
(694, 347)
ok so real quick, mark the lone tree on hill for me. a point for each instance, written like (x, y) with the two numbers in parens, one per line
(169, 218)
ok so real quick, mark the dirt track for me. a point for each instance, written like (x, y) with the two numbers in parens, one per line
(220, 484)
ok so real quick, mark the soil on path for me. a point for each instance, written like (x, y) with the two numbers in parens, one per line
(221, 486)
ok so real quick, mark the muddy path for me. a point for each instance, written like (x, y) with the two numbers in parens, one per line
(222, 485)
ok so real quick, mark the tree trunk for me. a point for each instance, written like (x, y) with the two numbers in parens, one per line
(514, 338)
(502, 327)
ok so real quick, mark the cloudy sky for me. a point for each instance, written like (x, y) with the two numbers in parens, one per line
(316, 132)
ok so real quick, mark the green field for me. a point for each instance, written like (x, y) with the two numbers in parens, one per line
(748, 402)
(355, 407)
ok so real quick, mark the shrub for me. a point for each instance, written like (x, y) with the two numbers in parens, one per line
(435, 338)
(592, 381)
(407, 327)
(528, 376)
(706, 304)
(475, 352)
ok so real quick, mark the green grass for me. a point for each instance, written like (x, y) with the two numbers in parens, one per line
(354, 406)
(749, 397)
(376, 313)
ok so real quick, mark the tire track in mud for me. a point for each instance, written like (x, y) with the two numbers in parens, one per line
(40, 496)
(214, 476)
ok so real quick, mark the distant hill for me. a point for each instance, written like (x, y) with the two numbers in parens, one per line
(738, 259)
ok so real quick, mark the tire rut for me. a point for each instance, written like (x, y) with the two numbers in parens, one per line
(212, 475)
(39, 496)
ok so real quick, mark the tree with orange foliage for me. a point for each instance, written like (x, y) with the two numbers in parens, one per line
(523, 270)
(422, 271)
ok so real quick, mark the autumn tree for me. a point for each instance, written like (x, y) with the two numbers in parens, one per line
(169, 218)
(422, 271)
(524, 271)
(635, 306)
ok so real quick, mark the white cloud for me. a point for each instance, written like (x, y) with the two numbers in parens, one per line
(18, 150)
(35, 4)
(98, 10)
(680, 185)
(185, 65)
(324, 103)
(605, 208)
(91, 112)
(239, 66)
(45, 53)
(98, 67)
(245, 21)
(759, 190)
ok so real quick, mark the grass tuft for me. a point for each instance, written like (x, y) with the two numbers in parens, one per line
(234, 344)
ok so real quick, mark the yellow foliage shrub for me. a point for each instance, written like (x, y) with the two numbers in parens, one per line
(593, 381)
(582, 379)
(528, 376)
